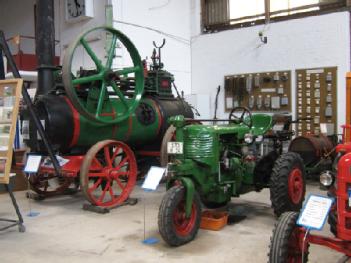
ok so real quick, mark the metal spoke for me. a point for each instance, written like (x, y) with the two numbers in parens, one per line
(91, 54)
(97, 183)
(104, 192)
(87, 79)
(127, 71)
(122, 163)
(111, 193)
(115, 153)
(120, 95)
(120, 184)
(108, 156)
(101, 99)
(111, 52)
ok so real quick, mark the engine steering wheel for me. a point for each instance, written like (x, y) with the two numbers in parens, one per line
(245, 116)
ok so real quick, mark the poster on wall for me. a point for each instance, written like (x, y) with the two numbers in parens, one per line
(10, 92)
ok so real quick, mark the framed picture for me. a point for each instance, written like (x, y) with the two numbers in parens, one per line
(10, 92)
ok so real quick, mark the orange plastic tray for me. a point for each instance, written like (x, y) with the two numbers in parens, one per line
(213, 220)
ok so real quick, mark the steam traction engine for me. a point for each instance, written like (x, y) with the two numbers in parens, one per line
(121, 112)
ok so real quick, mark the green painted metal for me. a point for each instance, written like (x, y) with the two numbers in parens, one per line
(98, 103)
(128, 130)
(203, 149)
(189, 194)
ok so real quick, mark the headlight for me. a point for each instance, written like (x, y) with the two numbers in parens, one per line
(248, 138)
(326, 178)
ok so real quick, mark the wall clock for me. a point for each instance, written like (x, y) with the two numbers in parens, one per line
(77, 10)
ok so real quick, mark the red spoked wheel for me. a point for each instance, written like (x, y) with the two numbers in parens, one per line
(174, 226)
(48, 185)
(296, 185)
(108, 173)
(286, 241)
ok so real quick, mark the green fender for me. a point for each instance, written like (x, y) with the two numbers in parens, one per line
(189, 194)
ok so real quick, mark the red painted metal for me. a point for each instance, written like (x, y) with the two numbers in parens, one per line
(160, 117)
(343, 188)
(113, 180)
(342, 243)
(295, 185)
(337, 244)
(149, 153)
(183, 225)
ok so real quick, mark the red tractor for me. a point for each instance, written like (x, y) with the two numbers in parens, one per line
(290, 243)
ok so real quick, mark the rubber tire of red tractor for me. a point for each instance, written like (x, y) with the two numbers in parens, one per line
(282, 232)
(279, 183)
(166, 224)
(333, 216)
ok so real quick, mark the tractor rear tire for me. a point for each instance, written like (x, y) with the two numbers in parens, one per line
(288, 183)
(174, 227)
(333, 216)
(285, 241)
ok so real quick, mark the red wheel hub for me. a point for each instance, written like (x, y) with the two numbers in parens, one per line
(183, 225)
(296, 185)
(295, 251)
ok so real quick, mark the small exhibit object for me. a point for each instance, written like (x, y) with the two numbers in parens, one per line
(10, 92)
(252, 102)
(32, 164)
(153, 178)
(315, 212)
(175, 147)
(275, 102)
(284, 100)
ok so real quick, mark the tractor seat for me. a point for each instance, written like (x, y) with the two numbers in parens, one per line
(261, 123)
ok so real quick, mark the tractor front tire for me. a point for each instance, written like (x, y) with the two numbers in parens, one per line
(285, 243)
(288, 183)
(174, 227)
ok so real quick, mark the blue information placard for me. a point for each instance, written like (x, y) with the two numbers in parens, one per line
(315, 212)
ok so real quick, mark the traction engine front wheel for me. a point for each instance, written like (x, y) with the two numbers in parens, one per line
(175, 228)
(108, 173)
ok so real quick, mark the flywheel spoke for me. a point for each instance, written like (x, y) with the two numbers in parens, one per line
(111, 52)
(91, 54)
(120, 95)
(88, 79)
(101, 99)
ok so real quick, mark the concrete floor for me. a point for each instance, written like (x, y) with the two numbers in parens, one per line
(63, 232)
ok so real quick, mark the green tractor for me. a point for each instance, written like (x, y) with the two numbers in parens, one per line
(209, 164)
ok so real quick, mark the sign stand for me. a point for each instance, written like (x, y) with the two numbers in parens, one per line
(10, 91)
(32, 167)
(313, 216)
(19, 222)
(150, 184)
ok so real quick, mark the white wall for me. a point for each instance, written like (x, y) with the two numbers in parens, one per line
(319, 41)
(17, 18)
(169, 16)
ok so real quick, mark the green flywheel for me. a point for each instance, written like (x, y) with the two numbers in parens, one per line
(100, 95)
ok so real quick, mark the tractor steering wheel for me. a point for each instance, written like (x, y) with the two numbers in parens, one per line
(245, 116)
